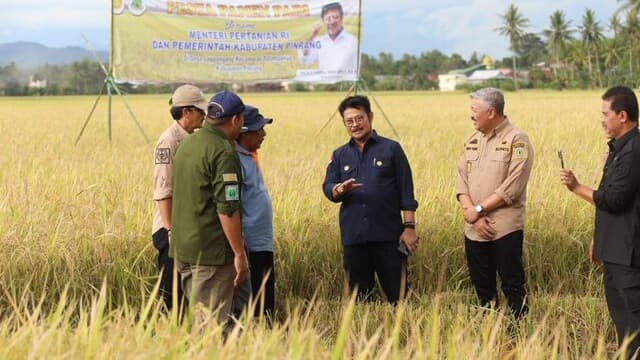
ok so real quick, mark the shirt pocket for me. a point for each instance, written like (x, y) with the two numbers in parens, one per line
(347, 171)
(500, 161)
(620, 167)
(383, 171)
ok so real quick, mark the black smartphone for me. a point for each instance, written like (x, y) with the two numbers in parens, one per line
(403, 248)
(561, 158)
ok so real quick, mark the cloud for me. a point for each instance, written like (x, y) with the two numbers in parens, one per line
(39, 14)
(464, 26)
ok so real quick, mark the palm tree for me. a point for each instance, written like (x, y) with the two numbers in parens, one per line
(632, 32)
(615, 25)
(513, 25)
(632, 6)
(558, 35)
(591, 33)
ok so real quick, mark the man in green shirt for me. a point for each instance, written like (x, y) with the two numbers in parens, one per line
(206, 238)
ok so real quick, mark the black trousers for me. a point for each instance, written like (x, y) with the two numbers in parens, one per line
(362, 262)
(261, 265)
(622, 291)
(165, 267)
(503, 255)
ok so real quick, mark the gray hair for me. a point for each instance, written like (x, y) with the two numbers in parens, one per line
(492, 97)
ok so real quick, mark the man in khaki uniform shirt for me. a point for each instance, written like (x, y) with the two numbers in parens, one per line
(188, 106)
(492, 184)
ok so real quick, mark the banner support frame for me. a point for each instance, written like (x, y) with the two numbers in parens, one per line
(111, 86)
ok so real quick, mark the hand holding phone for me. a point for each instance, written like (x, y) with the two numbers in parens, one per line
(402, 248)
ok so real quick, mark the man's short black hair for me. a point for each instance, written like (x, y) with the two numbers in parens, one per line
(623, 99)
(355, 102)
(331, 6)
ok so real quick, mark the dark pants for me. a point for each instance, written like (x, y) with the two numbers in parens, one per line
(622, 290)
(261, 265)
(362, 261)
(503, 255)
(165, 266)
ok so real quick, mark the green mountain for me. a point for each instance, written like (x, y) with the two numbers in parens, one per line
(30, 54)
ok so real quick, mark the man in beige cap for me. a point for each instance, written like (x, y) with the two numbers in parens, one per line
(188, 106)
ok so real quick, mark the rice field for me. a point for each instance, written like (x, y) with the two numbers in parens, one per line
(79, 278)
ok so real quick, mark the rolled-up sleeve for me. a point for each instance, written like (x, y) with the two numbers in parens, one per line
(405, 180)
(519, 170)
(163, 171)
(226, 182)
(331, 178)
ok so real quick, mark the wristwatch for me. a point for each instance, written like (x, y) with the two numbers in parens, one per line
(479, 209)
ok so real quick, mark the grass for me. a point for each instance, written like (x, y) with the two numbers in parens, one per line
(79, 273)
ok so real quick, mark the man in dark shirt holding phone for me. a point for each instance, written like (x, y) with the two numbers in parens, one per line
(616, 240)
(371, 177)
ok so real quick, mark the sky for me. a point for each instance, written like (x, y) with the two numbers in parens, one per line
(393, 26)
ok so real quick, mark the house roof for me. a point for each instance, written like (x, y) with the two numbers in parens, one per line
(481, 75)
(468, 71)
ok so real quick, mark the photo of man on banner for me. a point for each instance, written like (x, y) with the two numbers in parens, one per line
(337, 50)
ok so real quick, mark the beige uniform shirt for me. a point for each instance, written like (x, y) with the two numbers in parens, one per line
(163, 168)
(499, 162)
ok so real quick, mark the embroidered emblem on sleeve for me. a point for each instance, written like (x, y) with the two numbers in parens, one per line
(231, 193)
(520, 150)
(230, 177)
(163, 155)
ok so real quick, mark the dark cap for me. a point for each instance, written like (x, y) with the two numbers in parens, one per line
(224, 104)
(253, 120)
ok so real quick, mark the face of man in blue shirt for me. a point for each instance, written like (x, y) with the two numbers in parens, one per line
(358, 124)
(251, 140)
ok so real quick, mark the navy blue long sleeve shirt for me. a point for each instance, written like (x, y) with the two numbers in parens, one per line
(371, 213)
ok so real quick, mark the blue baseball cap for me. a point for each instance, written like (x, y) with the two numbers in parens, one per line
(253, 120)
(224, 104)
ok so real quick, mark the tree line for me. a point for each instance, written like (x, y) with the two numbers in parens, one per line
(585, 54)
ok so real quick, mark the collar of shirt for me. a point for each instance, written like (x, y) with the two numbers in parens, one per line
(209, 127)
(374, 137)
(498, 129)
(616, 144)
(340, 36)
(253, 155)
(179, 131)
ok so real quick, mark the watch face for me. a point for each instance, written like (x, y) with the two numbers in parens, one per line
(478, 208)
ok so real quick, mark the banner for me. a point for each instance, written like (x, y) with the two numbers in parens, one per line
(235, 40)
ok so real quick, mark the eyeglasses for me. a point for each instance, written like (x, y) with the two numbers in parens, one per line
(332, 17)
(353, 121)
(198, 110)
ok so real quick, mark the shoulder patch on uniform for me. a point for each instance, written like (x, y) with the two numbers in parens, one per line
(230, 177)
(163, 155)
(519, 150)
(231, 193)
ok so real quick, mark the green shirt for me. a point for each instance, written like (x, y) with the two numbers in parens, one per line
(206, 180)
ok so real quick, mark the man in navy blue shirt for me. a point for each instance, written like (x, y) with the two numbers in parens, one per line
(370, 176)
